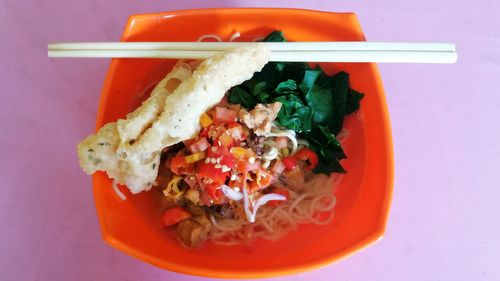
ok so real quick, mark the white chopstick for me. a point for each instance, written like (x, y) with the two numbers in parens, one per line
(289, 51)
(274, 46)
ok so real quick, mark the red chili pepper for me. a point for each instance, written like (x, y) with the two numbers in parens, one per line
(289, 162)
(308, 156)
(213, 190)
(204, 132)
(214, 171)
(175, 215)
(209, 172)
(178, 164)
(262, 180)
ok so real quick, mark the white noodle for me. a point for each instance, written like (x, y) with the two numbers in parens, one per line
(288, 135)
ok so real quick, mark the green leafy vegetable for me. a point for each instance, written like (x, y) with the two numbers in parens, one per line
(294, 114)
(241, 96)
(314, 104)
(275, 36)
(286, 87)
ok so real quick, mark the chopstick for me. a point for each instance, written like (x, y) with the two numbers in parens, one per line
(282, 51)
(274, 46)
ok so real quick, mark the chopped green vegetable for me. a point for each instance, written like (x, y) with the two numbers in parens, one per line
(294, 114)
(313, 103)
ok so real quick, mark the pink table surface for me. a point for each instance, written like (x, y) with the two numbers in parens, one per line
(444, 222)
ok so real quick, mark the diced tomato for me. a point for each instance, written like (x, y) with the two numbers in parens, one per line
(308, 156)
(289, 162)
(278, 167)
(175, 215)
(178, 164)
(224, 115)
(199, 145)
(280, 191)
(281, 142)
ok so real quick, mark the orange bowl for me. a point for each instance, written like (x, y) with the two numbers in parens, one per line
(363, 195)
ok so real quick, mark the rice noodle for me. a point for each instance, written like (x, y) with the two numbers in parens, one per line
(314, 203)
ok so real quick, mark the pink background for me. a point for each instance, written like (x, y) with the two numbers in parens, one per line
(444, 222)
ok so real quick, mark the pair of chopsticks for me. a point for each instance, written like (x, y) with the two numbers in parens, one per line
(383, 52)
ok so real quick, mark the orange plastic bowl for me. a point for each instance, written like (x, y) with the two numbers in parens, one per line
(363, 196)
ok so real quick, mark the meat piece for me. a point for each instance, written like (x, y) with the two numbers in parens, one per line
(256, 143)
(225, 210)
(260, 118)
(194, 231)
(293, 179)
(192, 195)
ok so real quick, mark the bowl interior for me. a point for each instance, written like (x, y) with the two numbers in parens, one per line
(363, 195)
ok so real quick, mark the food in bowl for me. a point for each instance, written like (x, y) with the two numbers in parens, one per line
(241, 147)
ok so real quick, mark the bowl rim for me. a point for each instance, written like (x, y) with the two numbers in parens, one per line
(376, 235)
